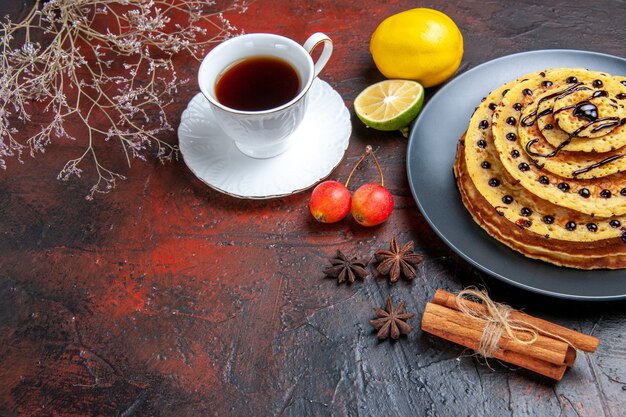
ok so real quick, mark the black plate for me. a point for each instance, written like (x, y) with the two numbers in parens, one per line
(430, 156)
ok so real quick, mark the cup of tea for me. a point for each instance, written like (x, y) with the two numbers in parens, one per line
(257, 86)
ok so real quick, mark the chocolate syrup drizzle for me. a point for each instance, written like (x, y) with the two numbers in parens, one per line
(585, 110)
(557, 95)
(548, 155)
(597, 165)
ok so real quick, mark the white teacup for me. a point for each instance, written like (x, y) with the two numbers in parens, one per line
(263, 134)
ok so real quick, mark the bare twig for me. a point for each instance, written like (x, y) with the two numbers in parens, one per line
(114, 79)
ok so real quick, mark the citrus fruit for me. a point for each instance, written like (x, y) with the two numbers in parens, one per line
(421, 44)
(389, 104)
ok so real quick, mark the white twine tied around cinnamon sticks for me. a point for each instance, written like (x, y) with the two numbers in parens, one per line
(496, 330)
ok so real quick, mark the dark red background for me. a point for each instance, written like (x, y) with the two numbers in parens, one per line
(167, 298)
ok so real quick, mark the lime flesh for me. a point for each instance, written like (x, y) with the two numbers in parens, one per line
(390, 104)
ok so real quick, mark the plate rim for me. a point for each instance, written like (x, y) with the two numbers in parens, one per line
(497, 275)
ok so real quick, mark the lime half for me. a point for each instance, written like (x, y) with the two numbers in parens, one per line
(389, 104)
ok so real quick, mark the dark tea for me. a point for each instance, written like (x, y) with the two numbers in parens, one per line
(257, 83)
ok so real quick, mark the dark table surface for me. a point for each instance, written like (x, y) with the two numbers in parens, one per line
(168, 298)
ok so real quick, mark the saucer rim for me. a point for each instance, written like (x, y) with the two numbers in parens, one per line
(268, 196)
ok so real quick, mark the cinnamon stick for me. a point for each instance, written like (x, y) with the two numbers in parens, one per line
(580, 341)
(544, 348)
(470, 338)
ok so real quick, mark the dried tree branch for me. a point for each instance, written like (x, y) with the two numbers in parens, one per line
(104, 65)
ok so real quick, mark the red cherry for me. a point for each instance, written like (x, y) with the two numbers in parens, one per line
(330, 202)
(372, 204)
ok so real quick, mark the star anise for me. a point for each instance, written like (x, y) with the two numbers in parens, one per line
(391, 322)
(398, 261)
(345, 269)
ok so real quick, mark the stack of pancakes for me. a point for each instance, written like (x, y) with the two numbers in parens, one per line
(542, 167)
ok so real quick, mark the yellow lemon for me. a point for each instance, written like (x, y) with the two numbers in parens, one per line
(421, 44)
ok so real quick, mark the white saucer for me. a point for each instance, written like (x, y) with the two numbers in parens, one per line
(317, 148)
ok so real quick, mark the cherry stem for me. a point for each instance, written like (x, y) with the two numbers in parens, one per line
(368, 151)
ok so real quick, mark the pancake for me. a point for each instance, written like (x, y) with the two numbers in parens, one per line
(528, 212)
(587, 109)
(609, 254)
(589, 113)
(555, 135)
(508, 195)
(590, 182)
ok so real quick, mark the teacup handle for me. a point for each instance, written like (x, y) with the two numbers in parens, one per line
(311, 43)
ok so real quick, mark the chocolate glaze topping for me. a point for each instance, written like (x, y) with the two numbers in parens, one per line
(534, 116)
(549, 155)
(556, 95)
(586, 110)
(597, 164)
(612, 121)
